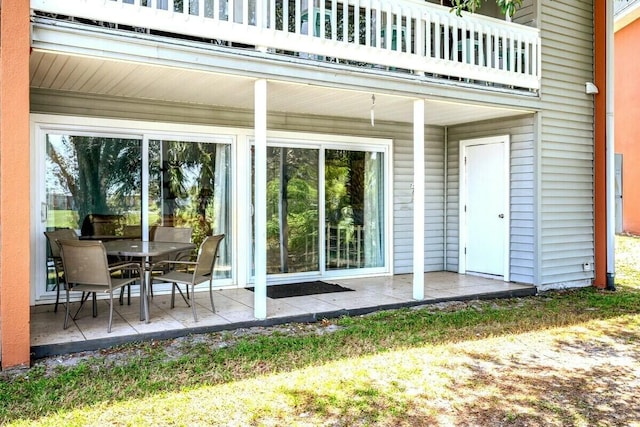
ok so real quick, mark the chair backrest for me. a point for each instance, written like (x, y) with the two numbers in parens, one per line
(54, 236)
(207, 255)
(132, 231)
(172, 234)
(85, 262)
(102, 225)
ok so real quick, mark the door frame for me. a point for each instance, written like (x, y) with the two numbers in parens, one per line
(464, 144)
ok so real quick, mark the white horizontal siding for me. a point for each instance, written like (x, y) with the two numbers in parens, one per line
(566, 153)
(433, 205)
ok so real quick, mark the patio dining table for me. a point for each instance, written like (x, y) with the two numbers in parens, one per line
(141, 251)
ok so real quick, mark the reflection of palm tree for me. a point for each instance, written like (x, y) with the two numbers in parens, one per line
(185, 192)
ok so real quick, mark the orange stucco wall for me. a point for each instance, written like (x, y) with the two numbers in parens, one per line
(14, 183)
(627, 120)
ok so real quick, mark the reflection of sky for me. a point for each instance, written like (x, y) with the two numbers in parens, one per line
(60, 144)
(191, 175)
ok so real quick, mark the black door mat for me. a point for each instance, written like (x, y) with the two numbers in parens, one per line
(302, 289)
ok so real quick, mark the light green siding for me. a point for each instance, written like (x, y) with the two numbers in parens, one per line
(566, 236)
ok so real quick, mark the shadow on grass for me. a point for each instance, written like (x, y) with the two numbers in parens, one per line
(151, 371)
(590, 379)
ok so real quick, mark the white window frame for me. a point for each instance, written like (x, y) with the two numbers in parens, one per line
(42, 124)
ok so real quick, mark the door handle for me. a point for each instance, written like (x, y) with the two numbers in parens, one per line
(500, 215)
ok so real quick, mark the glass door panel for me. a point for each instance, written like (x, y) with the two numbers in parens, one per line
(89, 178)
(354, 209)
(92, 175)
(189, 186)
(292, 210)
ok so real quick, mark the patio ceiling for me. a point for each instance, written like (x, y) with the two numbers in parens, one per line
(87, 75)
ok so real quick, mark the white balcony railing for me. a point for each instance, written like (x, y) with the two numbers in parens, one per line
(400, 34)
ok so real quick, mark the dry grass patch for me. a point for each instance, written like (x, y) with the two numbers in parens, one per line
(561, 358)
(585, 374)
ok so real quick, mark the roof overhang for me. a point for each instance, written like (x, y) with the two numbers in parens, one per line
(67, 58)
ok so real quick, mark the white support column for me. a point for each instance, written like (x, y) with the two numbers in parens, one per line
(610, 156)
(260, 208)
(418, 199)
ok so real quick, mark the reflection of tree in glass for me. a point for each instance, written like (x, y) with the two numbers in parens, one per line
(344, 173)
(292, 209)
(101, 174)
(188, 180)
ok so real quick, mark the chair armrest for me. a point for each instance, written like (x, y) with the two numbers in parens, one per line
(126, 266)
(169, 264)
(175, 262)
(115, 265)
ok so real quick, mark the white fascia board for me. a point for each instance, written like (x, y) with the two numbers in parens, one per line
(629, 15)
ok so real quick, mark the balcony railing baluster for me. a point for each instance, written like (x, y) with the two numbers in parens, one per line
(398, 35)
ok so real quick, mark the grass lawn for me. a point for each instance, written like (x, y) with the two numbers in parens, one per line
(561, 358)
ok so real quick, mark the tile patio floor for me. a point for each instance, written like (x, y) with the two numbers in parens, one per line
(234, 309)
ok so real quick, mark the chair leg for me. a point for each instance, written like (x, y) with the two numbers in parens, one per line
(173, 292)
(173, 295)
(66, 315)
(110, 311)
(213, 307)
(94, 304)
(193, 306)
(121, 299)
(83, 299)
(55, 308)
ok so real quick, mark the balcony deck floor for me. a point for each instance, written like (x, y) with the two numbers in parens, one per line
(234, 309)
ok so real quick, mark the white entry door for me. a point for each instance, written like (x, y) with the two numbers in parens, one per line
(484, 213)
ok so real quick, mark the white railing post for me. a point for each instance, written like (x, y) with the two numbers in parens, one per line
(378, 28)
(428, 51)
(345, 21)
(334, 20)
(356, 23)
(311, 18)
(298, 17)
(245, 12)
(450, 29)
(271, 7)
(367, 24)
(285, 16)
(323, 20)
(408, 16)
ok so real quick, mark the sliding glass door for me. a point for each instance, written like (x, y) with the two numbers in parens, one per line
(325, 210)
(105, 186)
(292, 210)
(190, 186)
(354, 209)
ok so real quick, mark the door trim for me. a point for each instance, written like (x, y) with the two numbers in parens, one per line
(464, 144)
